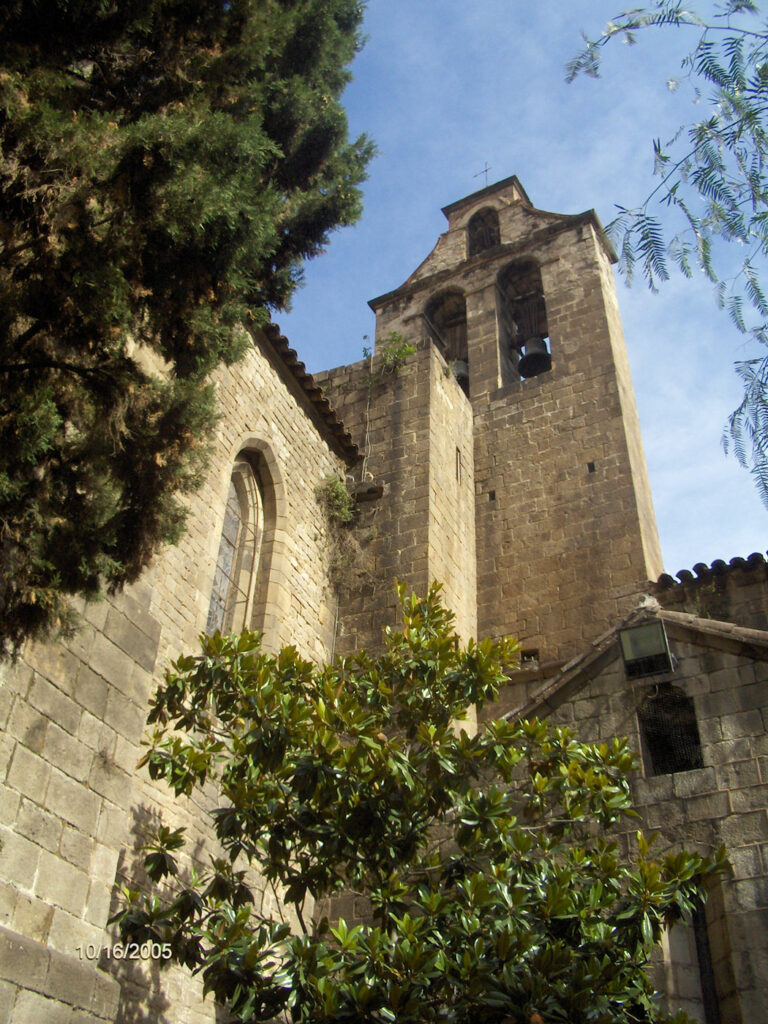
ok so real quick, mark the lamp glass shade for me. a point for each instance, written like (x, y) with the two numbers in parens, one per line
(645, 649)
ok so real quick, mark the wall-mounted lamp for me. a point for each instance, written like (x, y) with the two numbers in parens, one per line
(645, 650)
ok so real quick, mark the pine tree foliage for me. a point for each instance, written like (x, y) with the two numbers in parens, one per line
(713, 184)
(496, 884)
(166, 166)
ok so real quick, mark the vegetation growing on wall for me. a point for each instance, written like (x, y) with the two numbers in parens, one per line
(350, 564)
(337, 503)
(392, 352)
(487, 871)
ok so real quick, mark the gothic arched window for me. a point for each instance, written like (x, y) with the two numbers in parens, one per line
(482, 231)
(669, 731)
(237, 562)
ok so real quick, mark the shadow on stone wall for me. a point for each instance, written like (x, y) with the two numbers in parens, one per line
(149, 986)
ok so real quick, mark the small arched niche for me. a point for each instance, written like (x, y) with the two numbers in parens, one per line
(482, 231)
(524, 332)
(240, 557)
(446, 317)
(669, 731)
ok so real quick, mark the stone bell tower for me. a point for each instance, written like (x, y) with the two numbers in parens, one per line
(516, 324)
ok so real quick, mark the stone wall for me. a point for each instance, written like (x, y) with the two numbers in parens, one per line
(736, 591)
(452, 527)
(528, 499)
(411, 424)
(566, 534)
(723, 802)
(565, 531)
(72, 805)
(389, 413)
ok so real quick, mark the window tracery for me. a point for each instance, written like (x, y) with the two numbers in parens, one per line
(237, 562)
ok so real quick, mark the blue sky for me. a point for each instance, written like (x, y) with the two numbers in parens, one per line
(446, 86)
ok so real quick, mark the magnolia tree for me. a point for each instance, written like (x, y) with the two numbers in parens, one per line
(489, 867)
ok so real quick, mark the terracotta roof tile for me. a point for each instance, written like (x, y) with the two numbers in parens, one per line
(705, 572)
(339, 435)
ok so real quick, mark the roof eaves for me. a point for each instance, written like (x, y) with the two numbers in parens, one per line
(703, 573)
(336, 432)
(681, 625)
(753, 642)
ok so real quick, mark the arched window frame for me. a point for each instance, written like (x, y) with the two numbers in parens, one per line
(449, 331)
(239, 555)
(446, 318)
(483, 231)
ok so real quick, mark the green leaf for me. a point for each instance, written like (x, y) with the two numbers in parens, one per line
(464, 903)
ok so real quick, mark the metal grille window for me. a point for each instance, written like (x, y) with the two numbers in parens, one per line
(238, 558)
(669, 731)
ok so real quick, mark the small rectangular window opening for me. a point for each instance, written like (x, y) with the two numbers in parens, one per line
(669, 732)
(458, 465)
(491, 495)
(590, 467)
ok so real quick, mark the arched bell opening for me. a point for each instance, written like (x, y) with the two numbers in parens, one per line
(523, 319)
(482, 231)
(446, 317)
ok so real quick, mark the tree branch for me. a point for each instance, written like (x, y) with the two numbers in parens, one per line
(55, 364)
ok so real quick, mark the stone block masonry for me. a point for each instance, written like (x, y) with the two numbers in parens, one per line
(524, 494)
(565, 525)
(73, 806)
(419, 447)
(721, 802)
(565, 536)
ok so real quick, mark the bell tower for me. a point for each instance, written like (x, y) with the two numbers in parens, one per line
(521, 306)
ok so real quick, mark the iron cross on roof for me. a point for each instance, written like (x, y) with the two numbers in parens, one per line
(484, 171)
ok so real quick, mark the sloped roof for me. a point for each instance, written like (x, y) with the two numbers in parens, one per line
(711, 633)
(335, 431)
(551, 225)
(512, 182)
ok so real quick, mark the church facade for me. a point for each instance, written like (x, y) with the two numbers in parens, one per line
(491, 441)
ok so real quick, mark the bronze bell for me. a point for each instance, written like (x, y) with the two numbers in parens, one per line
(460, 369)
(536, 359)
